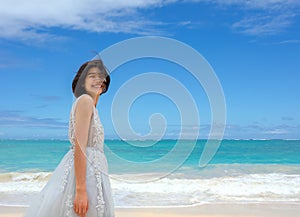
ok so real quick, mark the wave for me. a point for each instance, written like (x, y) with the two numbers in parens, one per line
(177, 190)
(246, 188)
(19, 176)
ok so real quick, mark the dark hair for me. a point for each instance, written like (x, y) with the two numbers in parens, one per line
(79, 79)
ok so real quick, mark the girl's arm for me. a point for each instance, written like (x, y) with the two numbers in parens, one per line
(83, 114)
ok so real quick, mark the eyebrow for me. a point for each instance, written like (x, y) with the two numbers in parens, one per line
(93, 73)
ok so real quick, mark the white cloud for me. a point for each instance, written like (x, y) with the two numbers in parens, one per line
(14, 119)
(261, 131)
(37, 20)
(289, 42)
(277, 132)
(263, 25)
(268, 17)
(261, 17)
(30, 19)
(256, 4)
(236, 131)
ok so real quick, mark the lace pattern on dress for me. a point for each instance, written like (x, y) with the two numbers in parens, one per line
(97, 129)
(69, 205)
(100, 200)
(68, 168)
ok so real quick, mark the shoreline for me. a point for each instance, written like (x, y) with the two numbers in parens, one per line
(207, 210)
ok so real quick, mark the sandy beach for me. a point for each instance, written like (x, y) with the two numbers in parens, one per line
(220, 210)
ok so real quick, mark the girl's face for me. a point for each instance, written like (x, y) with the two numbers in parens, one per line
(94, 82)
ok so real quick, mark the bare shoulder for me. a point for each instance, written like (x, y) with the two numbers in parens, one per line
(85, 104)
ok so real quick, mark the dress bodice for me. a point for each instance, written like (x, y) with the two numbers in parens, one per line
(96, 131)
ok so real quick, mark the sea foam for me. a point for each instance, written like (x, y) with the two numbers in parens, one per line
(18, 188)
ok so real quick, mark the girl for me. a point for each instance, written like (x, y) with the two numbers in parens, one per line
(80, 185)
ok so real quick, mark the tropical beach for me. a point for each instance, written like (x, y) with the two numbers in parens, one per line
(245, 178)
(200, 115)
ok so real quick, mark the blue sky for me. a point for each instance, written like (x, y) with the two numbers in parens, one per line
(253, 47)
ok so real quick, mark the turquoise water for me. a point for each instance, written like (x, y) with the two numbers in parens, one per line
(44, 155)
(241, 171)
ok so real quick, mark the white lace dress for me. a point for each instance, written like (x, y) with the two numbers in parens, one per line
(56, 198)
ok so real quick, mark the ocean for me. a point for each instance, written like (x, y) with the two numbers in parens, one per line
(241, 171)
